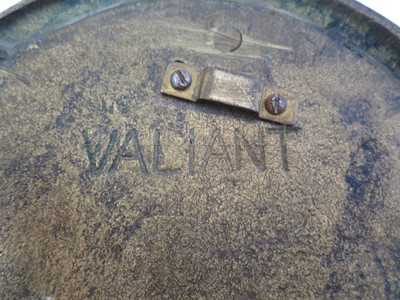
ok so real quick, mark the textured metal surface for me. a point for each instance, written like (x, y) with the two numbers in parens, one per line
(227, 38)
(110, 190)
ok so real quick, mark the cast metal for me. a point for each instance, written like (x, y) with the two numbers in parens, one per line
(109, 189)
(227, 38)
(230, 88)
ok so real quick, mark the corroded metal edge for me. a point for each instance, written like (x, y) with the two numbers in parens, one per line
(381, 40)
(371, 15)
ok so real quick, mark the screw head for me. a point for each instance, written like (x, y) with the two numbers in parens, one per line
(181, 79)
(275, 104)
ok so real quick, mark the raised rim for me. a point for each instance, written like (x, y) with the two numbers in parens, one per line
(359, 25)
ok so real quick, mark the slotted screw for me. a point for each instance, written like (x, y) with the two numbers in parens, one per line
(181, 79)
(275, 104)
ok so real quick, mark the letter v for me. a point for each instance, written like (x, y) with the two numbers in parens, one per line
(96, 170)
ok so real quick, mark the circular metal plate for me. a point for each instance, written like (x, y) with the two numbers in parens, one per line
(109, 189)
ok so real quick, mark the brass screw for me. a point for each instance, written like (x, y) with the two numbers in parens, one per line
(181, 79)
(275, 104)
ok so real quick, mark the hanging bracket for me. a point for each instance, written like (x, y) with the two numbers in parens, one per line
(231, 88)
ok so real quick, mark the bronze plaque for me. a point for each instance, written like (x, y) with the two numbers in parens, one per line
(111, 190)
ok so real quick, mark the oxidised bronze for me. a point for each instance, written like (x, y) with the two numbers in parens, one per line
(227, 38)
(111, 190)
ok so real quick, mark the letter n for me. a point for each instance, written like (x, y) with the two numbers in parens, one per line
(241, 143)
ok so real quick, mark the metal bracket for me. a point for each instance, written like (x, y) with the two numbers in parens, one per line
(232, 88)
